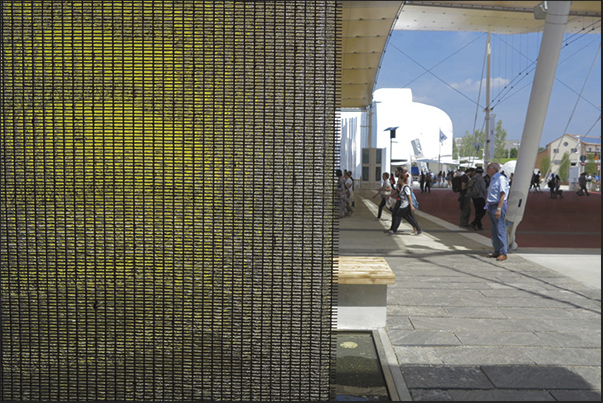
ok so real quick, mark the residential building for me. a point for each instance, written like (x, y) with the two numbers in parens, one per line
(578, 147)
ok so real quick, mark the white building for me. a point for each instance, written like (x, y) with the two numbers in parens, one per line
(419, 129)
(577, 150)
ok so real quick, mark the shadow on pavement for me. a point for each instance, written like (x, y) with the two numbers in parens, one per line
(500, 383)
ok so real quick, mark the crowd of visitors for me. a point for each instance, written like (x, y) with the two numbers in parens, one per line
(487, 191)
(428, 179)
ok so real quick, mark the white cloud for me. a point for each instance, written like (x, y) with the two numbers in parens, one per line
(469, 85)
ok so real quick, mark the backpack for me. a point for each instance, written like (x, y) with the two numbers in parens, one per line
(415, 202)
(456, 184)
(471, 189)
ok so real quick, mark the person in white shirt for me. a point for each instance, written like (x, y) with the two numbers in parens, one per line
(385, 192)
(405, 209)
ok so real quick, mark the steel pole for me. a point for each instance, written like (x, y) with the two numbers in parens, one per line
(548, 57)
(487, 154)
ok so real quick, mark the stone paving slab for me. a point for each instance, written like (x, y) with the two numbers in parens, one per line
(423, 338)
(545, 313)
(565, 356)
(395, 310)
(497, 395)
(535, 377)
(475, 312)
(446, 378)
(576, 339)
(576, 395)
(483, 338)
(462, 356)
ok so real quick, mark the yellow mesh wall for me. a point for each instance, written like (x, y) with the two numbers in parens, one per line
(167, 227)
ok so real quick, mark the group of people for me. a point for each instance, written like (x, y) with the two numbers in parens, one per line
(473, 189)
(397, 195)
(489, 194)
(428, 179)
(554, 185)
(535, 182)
(345, 189)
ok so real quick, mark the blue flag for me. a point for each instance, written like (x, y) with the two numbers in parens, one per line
(442, 136)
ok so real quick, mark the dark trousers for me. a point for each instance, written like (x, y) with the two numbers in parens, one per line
(480, 212)
(465, 205)
(381, 205)
(407, 214)
(583, 191)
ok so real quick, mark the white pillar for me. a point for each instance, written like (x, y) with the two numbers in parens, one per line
(548, 57)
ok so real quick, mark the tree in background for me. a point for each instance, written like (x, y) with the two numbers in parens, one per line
(590, 167)
(500, 141)
(545, 165)
(564, 167)
(468, 148)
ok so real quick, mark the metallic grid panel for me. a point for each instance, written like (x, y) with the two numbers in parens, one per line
(167, 201)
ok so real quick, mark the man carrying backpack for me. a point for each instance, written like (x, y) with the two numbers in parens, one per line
(464, 199)
(477, 192)
(582, 183)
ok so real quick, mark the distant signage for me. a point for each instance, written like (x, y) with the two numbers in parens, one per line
(416, 147)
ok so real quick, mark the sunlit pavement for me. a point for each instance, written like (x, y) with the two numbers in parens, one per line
(462, 326)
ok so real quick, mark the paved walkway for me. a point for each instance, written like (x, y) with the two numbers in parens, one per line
(465, 327)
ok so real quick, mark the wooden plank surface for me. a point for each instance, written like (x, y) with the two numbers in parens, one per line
(364, 270)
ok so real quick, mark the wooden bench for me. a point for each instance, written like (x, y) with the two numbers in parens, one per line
(362, 291)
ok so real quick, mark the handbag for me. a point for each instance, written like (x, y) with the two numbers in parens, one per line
(389, 203)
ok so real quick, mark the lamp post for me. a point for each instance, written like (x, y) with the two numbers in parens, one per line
(392, 135)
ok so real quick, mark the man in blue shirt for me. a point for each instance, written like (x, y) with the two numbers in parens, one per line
(496, 205)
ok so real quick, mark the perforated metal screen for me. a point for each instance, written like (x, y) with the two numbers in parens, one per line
(167, 218)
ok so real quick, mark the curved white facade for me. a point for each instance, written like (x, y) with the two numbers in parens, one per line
(415, 121)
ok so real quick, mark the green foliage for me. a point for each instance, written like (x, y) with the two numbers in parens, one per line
(500, 138)
(467, 149)
(564, 167)
(591, 166)
(545, 165)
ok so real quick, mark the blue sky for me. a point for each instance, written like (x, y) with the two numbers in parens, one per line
(456, 61)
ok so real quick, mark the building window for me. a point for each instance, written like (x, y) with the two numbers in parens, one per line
(574, 150)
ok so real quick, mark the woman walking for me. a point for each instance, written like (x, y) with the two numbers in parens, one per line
(406, 209)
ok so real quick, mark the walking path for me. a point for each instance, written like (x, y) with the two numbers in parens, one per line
(462, 326)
